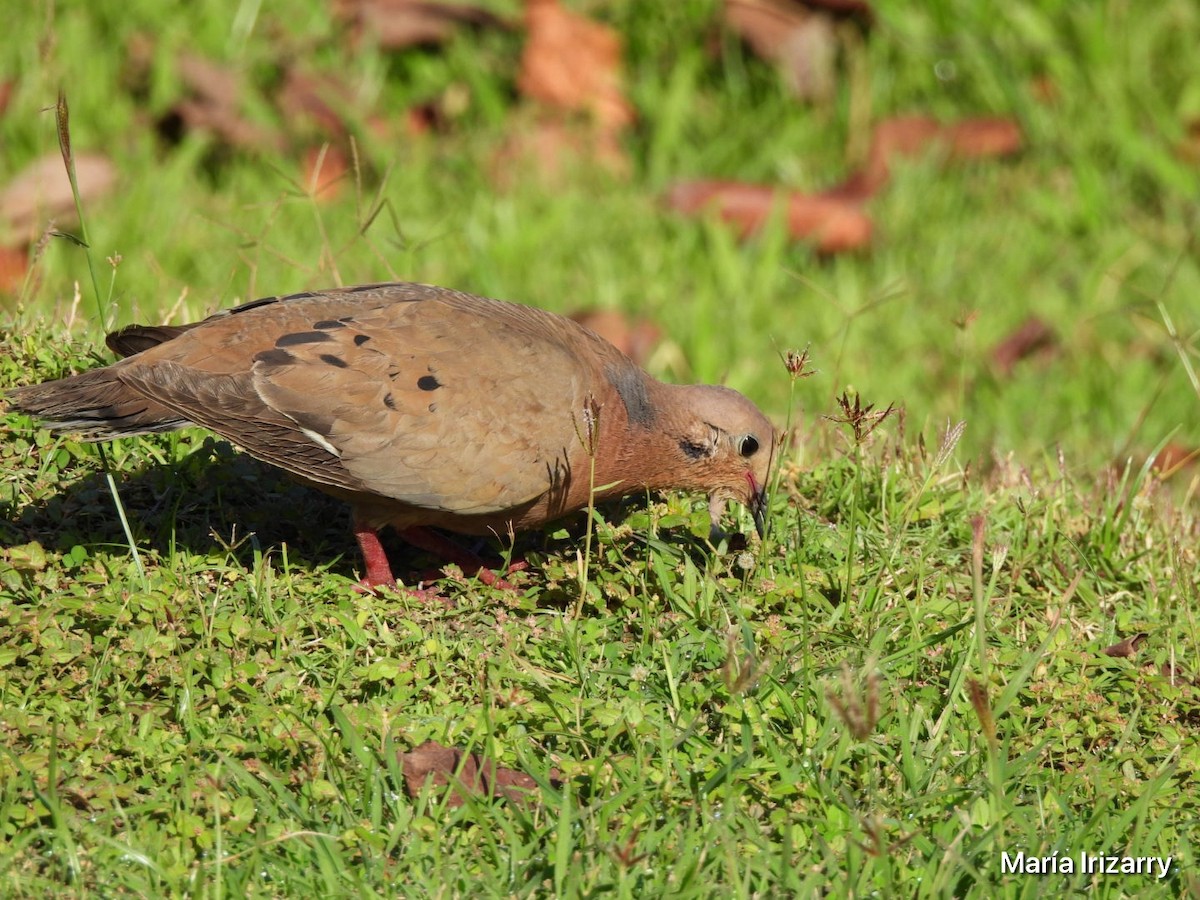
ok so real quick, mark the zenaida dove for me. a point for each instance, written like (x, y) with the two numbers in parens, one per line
(423, 407)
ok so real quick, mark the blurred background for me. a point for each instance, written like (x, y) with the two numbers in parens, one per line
(975, 211)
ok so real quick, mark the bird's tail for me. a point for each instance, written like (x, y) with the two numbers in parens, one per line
(96, 405)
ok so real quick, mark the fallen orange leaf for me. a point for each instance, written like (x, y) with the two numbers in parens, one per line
(1128, 647)
(548, 147)
(398, 24)
(41, 192)
(213, 105)
(833, 224)
(14, 263)
(633, 337)
(311, 102)
(1174, 457)
(465, 775)
(801, 41)
(573, 64)
(1033, 336)
(325, 170)
(908, 136)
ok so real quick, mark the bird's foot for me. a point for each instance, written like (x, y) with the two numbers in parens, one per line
(496, 579)
(472, 565)
(424, 594)
(379, 575)
(483, 573)
(379, 570)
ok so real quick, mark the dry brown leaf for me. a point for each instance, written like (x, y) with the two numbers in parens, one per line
(397, 24)
(41, 192)
(325, 171)
(1173, 671)
(765, 24)
(1174, 457)
(636, 338)
(1032, 337)
(907, 136)
(214, 106)
(14, 264)
(547, 148)
(833, 224)
(195, 115)
(858, 10)
(426, 118)
(573, 64)
(800, 41)
(211, 81)
(985, 137)
(470, 776)
(311, 103)
(1127, 648)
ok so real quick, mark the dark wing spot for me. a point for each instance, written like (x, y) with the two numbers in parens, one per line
(428, 383)
(631, 385)
(303, 337)
(303, 295)
(333, 360)
(274, 358)
(389, 401)
(360, 339)
(327, 324)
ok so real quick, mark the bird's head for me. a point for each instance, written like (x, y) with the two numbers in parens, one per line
(727, 447)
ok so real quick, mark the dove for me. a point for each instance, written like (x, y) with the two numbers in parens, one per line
(425, 409)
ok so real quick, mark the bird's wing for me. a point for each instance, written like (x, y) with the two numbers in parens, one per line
(438, 400)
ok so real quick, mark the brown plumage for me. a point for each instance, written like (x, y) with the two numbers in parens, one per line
(422, 407)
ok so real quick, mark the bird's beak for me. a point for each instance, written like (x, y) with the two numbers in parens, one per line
(758, 505)
(758, 511)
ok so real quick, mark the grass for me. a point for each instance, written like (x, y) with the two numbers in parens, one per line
(905, 681)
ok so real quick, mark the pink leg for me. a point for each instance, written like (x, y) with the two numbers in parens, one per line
(379, 571)
(440, 545)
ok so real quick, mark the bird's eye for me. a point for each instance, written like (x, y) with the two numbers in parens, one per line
(748, 446)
